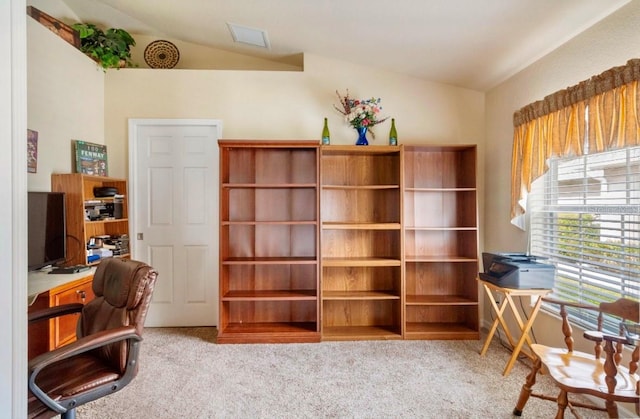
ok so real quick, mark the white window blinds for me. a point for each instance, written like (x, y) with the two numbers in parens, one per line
(585, 217)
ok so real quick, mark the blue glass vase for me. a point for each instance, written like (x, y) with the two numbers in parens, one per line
(362, 136)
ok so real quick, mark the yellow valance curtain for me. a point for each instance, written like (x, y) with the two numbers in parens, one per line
(596, 115)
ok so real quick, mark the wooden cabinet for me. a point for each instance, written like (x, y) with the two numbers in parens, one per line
(269, 241)
(47, 335)
(362, 246)
(347, 242)
(441, 242)
(79, 192)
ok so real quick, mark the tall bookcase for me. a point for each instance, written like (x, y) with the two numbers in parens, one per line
(441, 242)
(362, 244)
(269, 241)
(347, 242)
(79, 190)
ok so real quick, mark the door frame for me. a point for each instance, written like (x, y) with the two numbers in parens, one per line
(134, 127)
(13, 214)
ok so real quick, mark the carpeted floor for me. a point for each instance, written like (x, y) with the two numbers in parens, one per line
(185, 374)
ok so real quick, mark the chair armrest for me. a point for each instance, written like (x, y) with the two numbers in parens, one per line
(596, 336)
(82, 345)
(630, 336)
(570, 304)
(617, 339)
(52, 312)
(593, 335)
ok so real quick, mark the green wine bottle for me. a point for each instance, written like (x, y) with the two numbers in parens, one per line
(393, 134)
(326, 137)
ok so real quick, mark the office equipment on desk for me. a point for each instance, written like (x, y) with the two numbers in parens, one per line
(517, 343)
(70, 269)
(517, 270)
(514, 275)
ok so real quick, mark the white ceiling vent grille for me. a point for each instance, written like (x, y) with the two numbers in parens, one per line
(250, 36)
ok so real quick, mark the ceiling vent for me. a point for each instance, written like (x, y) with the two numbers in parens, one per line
(250, 36)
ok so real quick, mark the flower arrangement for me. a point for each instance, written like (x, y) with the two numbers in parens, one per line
(360, 113)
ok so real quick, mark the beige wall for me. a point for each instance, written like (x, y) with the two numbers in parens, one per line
(289, 105)
(607, 44)
(194, 56)
(65, 101)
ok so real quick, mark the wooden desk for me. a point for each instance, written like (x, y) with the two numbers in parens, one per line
(40, 281)
(52, 290)
(500, 309)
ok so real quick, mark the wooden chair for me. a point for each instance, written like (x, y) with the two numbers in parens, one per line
(591, 374)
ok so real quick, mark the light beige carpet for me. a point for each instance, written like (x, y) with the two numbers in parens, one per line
(185, 374)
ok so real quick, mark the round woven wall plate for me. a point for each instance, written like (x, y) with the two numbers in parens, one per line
(161, 54)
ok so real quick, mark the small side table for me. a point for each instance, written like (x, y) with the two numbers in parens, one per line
(500, 309)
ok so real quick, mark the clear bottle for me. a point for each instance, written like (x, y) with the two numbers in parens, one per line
(393, 134)
(326, 137)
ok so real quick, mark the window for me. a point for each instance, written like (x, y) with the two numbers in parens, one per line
(585, 217)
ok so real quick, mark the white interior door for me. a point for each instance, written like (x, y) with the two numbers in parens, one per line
(173, 178)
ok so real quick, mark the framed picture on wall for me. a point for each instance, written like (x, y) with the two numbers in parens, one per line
(90, 158)
(32, 151)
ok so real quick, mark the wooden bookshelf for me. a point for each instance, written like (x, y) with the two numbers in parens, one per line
(347, 242)
(361, 252)
(78, 189)
(441, 242)
(269, 242)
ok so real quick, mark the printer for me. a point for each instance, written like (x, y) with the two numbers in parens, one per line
(517, 270)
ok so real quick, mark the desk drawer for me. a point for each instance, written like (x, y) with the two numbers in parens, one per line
(64, 328)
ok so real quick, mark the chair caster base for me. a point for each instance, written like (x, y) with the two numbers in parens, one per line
(69, 414)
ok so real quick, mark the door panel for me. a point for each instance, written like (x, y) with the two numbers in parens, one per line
(175, 179)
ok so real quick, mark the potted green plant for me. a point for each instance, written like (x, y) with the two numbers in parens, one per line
(110, 48)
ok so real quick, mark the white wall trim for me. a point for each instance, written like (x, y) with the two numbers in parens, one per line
(13, 215)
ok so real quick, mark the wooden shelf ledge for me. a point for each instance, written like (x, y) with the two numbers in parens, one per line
(360, 295)
(271, 295)
(439, 300)
(270, 185)
(332, 225)
(285, 260)
(360, 187)
(361, 333)
(266, 223)
(440, 258)
(357, 262)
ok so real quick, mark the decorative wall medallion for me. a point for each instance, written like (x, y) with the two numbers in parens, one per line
(161, 54)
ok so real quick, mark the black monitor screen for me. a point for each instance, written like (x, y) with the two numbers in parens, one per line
(46, 229)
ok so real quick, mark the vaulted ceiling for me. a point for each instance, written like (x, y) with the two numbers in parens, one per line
(474, 44)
